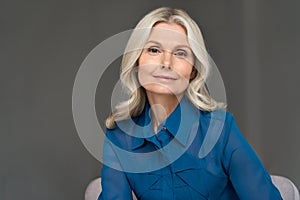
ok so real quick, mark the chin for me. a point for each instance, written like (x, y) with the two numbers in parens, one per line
(160, 90)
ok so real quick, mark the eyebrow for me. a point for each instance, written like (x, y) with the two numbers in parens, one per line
(178, 46)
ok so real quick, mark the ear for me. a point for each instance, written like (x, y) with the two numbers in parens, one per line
(193, 74)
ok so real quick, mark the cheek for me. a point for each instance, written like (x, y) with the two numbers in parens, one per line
(141, 69)
(146, 66)
(144, 75)
(141, 61)
(185, 70)
(144, 59)
(140, 75)
(187, 74)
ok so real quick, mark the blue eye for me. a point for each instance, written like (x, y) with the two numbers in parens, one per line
(181, 54)
(153, 50)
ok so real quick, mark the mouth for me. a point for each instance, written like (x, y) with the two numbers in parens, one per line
(164, 78)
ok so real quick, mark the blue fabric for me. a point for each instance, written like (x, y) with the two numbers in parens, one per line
(230, 170)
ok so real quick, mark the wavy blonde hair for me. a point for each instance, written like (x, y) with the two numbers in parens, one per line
(196, 92)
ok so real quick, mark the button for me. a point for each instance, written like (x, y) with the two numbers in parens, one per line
(163, 128)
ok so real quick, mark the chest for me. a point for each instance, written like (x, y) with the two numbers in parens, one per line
(186, 178)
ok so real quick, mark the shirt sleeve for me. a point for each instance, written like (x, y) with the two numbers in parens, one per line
(246, 172)
(115, 185)
(114, 182)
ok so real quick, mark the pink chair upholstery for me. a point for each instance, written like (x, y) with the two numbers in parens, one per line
(286, 187)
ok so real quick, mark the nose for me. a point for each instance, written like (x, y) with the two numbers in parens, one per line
(167, 59)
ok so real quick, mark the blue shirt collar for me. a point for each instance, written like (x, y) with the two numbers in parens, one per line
(172, 123)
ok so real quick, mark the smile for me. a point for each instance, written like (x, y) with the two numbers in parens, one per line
(165, 78)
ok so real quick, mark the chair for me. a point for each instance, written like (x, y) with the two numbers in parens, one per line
(285, 186)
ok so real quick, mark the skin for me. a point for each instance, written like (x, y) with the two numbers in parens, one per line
(164, 69)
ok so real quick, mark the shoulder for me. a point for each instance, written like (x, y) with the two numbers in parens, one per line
(215, 130)
(218, 117)
(118, 137)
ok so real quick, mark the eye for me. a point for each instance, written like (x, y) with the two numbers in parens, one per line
(153, 50)
(181, 53)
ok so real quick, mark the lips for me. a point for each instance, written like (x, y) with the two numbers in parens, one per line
(165, 77)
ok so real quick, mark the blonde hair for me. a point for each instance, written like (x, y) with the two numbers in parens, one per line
(196, 92)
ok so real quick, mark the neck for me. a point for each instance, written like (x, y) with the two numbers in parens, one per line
(162, 106)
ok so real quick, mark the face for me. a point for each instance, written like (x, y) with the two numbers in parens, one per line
(166, 62)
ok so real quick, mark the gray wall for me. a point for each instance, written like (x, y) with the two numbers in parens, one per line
(254, 43)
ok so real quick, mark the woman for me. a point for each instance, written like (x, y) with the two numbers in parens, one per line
(171, 139)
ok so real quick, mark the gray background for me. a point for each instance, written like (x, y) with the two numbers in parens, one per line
(254, 43)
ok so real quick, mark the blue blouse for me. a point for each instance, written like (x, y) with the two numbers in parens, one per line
(221, 167)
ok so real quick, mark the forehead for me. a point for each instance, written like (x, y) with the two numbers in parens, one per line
(169, 34)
